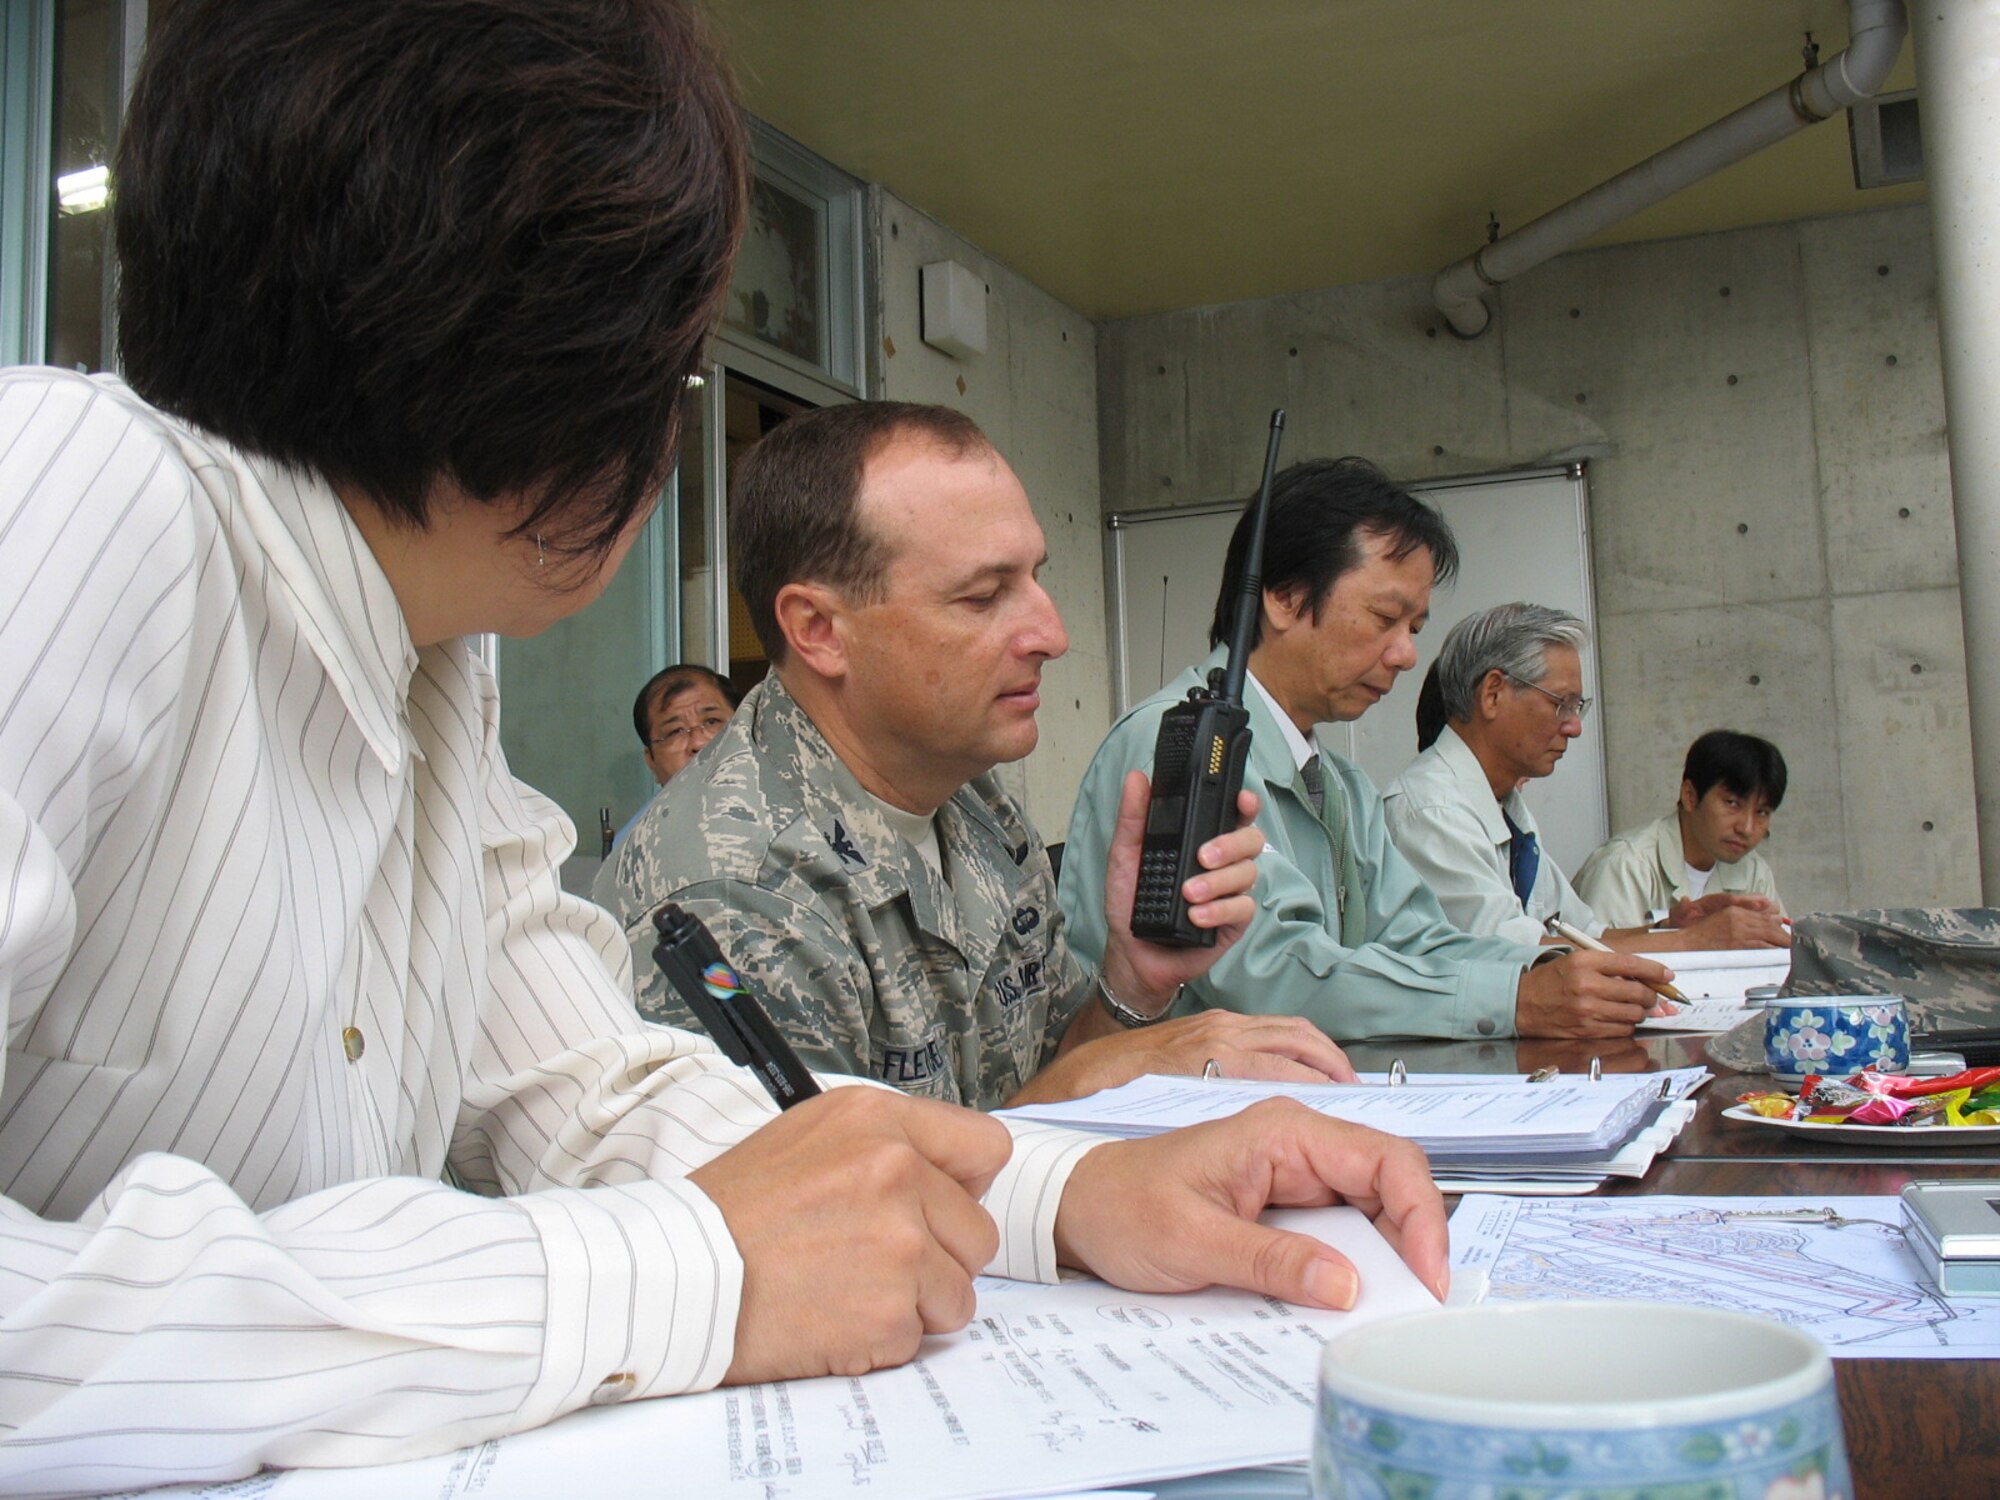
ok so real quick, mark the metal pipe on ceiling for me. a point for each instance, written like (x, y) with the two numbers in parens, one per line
(1958, 68)
(1875, 37)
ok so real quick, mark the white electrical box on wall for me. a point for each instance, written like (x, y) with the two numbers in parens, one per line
(954, 309)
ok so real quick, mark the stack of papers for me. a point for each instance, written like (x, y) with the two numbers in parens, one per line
(1715, 983)
(1482, 1133)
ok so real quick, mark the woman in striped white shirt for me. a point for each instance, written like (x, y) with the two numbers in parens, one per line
(410, 289)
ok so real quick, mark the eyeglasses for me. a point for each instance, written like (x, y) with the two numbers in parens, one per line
(679, 734)
(1566, 708)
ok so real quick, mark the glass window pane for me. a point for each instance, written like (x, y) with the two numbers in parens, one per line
(779, 292)
(88, 99)
(697, 597)
(750, 410)
(566, 696)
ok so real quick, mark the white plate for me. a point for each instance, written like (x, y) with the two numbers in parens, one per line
(1931, 1137)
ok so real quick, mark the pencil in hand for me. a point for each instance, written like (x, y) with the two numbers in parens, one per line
(1577, 937)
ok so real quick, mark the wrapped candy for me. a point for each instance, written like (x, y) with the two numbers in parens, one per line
(1971, 1097)
(1883, 1110)
(1771, 1106)
(1973, 1080)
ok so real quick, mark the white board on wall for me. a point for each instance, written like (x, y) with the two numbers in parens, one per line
(1521, 535)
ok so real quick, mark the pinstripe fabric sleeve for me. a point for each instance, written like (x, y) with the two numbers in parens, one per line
(226, 1245)
(1025, 1196)
(280, 940)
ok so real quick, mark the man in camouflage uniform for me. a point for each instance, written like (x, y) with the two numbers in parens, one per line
(845, 838)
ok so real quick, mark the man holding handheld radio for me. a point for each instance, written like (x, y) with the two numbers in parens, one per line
(1347, 935)
(845, 838)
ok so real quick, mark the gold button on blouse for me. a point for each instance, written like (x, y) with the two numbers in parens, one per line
(614, 1388)
(353, 1043)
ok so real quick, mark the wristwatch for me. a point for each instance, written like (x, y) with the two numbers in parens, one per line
(1127, 1017)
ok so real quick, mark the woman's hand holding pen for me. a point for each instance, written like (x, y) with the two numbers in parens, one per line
(857, 1217)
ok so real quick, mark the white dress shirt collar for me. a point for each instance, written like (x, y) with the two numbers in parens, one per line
(1491, 812)
(355, 627)
(1301, 747)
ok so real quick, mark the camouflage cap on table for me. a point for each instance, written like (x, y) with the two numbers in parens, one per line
(1944, 960)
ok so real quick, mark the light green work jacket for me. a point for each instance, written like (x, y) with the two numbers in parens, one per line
(1644, 870)
(1382, 962)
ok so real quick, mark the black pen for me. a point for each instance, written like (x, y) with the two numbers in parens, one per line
(688, 955)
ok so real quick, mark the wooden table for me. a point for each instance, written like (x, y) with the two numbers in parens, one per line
(1914, 1426)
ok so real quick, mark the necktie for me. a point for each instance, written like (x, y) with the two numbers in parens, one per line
(1346, 876)
(1524, 859)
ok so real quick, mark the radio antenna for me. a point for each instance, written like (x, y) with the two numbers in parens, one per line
(1251, 600)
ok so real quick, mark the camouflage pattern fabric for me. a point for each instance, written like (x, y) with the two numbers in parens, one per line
(868, 962)
(1944, 960)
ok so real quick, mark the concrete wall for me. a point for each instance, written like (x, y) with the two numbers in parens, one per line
(1770, 503)
(1034, 392)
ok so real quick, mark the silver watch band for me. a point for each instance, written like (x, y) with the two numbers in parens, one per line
(1127, 1017)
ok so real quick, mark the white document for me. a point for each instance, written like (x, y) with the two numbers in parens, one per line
(1565, 1113)
(1051, 1390)
(1447, 1080)
(1681, 1081)
(1634, 1159)
(1703, 1016)
(1725, 973)
(1852, 1282)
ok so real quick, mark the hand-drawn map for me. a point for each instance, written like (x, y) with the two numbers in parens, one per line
(1836, 1267)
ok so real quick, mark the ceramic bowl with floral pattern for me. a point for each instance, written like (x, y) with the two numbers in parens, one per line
(1578, 1401)
(1835, 1035)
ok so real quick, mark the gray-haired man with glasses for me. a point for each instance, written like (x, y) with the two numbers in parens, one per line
(1511, 684)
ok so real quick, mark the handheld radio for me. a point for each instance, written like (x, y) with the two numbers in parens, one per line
(1199, 756)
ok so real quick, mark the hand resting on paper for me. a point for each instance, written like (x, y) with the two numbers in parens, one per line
(857, 1218)
(1177, 1212)
(1726, 919)
(1285, 1048)
(1685, 912)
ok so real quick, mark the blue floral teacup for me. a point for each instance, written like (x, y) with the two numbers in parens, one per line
(1578, 1400)
(1835, 1035)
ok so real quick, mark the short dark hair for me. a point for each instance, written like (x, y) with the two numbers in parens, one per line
(671, 681)
(1320, 510)
(794, 505)
(1742, 763)
(1430, 710)
(403, 242)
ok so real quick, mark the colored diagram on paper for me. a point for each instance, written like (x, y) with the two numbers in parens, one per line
(1836, 1267)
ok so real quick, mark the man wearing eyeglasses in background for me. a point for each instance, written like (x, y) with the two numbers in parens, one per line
(1510, 680)
(676, 714)
(1346, 934)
